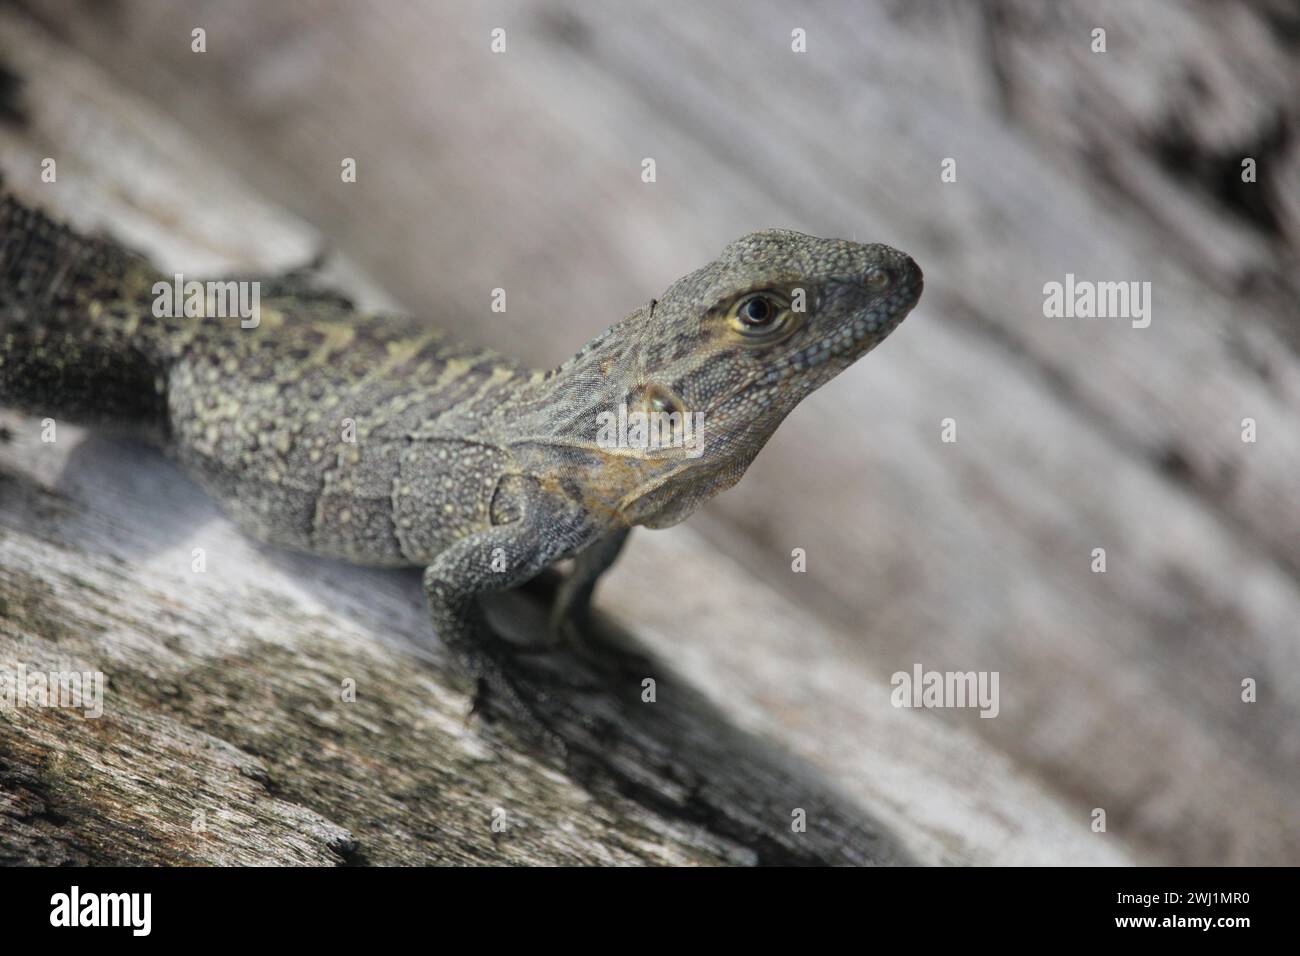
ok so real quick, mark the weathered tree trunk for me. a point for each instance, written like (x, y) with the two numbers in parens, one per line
(1121, 691)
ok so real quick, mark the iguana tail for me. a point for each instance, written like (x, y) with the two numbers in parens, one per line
(77, 337)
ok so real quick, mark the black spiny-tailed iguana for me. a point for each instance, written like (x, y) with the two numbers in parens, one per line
(380, 440)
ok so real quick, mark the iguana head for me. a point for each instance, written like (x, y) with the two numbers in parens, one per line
(735, 346)
(727, 352)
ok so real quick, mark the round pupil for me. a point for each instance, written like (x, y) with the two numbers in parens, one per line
(757, 310)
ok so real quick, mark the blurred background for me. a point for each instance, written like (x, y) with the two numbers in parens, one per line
(522, 170)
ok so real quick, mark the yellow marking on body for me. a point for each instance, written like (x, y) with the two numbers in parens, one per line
(404, 349)
(338, 336)
(131, 325)
(400, 351)
(454, 369)
(270, 318)
(499, 375)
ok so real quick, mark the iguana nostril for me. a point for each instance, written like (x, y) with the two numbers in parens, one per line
(907, 272)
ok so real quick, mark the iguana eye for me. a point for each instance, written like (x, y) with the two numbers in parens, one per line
(877, 278)
(756, 312)
(761, 316)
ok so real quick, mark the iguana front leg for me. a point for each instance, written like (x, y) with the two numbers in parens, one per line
(539, 531)
(570, 621)
(571, 610)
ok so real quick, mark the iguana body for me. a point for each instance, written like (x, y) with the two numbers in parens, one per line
(381, 441)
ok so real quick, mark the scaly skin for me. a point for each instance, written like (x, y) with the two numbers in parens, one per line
(463, 462)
